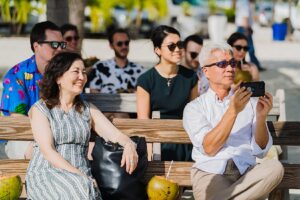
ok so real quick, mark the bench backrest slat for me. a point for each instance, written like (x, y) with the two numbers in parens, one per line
(126, 102)
(162, 130)
(15, 128)
(171, 131)
(123, 102)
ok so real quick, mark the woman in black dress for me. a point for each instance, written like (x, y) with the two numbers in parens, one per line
(167, 87)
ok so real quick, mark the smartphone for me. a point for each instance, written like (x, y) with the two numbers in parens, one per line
(257, 88)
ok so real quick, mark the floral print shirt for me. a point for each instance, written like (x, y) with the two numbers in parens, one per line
(21, 87)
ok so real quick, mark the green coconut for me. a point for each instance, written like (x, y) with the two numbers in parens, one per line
(243, 76)
(10, 187)
(160, 188)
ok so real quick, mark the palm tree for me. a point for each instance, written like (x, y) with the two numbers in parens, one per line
(58, 11)
(155, 9)
(76, 15)
(67, 11)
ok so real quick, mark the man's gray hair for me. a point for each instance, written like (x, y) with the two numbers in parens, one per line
(208, 50)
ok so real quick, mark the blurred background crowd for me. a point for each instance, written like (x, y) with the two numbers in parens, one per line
(95, 18)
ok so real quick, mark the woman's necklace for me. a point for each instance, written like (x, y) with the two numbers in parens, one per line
(169, 81)
(169, 78)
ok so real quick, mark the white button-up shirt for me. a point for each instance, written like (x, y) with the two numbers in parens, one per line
(203, 114)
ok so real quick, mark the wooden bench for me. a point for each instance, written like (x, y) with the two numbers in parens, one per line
(171, 131)
(162, 131)
(126, 102)
(113, 103)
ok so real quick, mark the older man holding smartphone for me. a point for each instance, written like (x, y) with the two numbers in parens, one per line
(228, 131)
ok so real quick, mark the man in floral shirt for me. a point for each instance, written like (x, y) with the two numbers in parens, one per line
(20, 84)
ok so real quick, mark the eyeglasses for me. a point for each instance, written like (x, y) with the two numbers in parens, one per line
(223, 64)
(121, 43)
(173, 46)
(194, 54)
(54, 44)
(70, 38)
(240, 47)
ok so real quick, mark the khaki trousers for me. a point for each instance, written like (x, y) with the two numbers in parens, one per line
(255, 184)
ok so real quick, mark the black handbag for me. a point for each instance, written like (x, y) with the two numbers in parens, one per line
(113, 180)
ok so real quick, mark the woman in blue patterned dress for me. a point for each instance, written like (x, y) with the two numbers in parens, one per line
(61, 122)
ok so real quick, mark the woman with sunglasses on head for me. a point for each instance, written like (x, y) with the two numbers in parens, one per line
(239, 44)
(167, 87)
(70, 35)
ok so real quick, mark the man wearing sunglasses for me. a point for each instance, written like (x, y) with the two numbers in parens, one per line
(118, 74)
(20, 84)
(228, 131)
(190, 60)
(71, 36)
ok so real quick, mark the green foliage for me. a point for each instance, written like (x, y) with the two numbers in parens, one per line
(101, 10)
(213, 8)
(160, 6)
(5, 10)
(100, 13)
(21, 10)
(230, 14)
(186, 8)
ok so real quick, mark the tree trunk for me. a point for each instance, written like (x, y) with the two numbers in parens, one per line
(233, 4)
(76, 15)
(57, 11)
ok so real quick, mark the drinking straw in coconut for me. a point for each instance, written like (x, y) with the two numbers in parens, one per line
(169, 169)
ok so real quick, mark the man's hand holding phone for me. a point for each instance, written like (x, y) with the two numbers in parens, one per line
(239, 100)
(257, 88)
(265, 101)
(264, 105)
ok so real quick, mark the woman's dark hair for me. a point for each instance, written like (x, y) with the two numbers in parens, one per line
(57, 66)
(234, 37)
(160, 33)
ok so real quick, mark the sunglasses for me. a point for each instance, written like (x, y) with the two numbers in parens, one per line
(223, 64)
(173, 46)
(54, 44)
(70, 38)
(240, 47)
(121, 43)
(194, 54)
